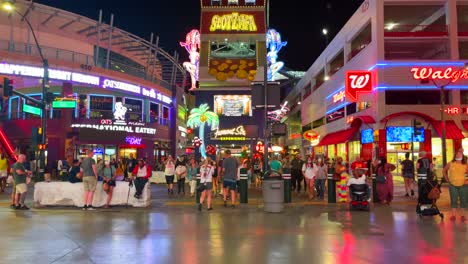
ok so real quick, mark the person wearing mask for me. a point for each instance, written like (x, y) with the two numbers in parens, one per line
(385, 185)
(181, 174)
(206, 177)
(21, 176)
(141, 174)
(3, 171)
(131, 164)
(341, 186)
(90, 177)
(230, 166)
(108, 178)
(407, 169)
(309, 174)
(192, 176)
(169, 172)
(74, 175)
(296, 173)
(454, 173)
(321, 175)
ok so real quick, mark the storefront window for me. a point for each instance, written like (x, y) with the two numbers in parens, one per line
(154, 112)
(354, 150)
(165, 116)
(437, 151)
(101, 107)
(319, 151)
(341, 150)
(82, 106)
(125, 152)
(134, 109)
(331, 151)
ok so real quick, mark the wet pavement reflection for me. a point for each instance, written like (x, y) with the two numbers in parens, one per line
(303, 234)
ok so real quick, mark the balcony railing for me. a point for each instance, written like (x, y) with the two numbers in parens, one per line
(75, 57)
(416, 31)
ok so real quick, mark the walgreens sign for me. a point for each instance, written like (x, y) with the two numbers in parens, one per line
(449, 74)
(358, 82)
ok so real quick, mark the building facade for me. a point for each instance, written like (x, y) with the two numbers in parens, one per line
(384, 70)
(115, 92)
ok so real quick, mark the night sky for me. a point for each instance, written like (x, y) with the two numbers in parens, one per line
(301, 26)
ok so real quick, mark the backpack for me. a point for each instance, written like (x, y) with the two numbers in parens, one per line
(434, 194)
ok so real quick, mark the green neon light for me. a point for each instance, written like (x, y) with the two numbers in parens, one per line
(32, 110)
(64, 104)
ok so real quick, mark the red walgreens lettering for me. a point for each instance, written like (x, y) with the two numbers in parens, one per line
(447, 74)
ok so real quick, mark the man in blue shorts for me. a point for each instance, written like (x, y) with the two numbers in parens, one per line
(230, 166)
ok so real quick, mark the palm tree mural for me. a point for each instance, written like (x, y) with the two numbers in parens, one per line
(199, 117)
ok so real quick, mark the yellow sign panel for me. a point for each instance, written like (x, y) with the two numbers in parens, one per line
(233, 22)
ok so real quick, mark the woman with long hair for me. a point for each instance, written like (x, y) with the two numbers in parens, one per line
(206, 175)
(192, 176)
(454, 173)
(341, 185)
(385, 181)
(309, 175)
(321, 176)
(169, 172)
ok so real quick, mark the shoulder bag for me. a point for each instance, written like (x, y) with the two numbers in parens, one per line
(380, 178)
(434, 194)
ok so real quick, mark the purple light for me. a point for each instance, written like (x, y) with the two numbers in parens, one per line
(133, 140)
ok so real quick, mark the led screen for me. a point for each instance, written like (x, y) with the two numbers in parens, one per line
(367, 136)
(404, 134)
(233, 105)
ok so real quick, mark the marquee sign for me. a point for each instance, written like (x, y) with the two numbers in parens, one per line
(312, 136)
(120, 126)
(246, 22)
(55, 74)
(449, 74)
(133, 140)
(358, 82)
(237, 133)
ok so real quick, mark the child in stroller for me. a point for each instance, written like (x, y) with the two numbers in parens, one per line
(359, 190)
(427, 205)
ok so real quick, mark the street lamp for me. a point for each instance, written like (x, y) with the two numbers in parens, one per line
(10, 7)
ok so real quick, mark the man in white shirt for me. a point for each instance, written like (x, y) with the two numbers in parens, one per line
(359, 178)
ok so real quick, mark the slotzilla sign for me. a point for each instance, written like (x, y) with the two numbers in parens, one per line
(55, 74)
(118, 127)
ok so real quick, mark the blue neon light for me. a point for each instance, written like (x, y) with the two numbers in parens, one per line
(274, 45)
(336, 108)
(335, 92)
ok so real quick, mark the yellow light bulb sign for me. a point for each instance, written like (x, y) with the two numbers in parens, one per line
(233, 22)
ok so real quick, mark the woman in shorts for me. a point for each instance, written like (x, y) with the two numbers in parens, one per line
(206, 175)
(108, 177)
(169, 172)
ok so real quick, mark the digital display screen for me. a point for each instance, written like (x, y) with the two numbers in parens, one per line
(110, 151)
(404, 134)
(367, 136)
(233, 105)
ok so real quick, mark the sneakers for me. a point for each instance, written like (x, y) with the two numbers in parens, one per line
(199, 207)
(211, 208)
(91, 208)
(12, 206)
(24, 207)
(85, 207)
(412, 193)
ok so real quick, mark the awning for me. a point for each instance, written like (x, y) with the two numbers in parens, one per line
(359, 120)
(338, 137)
(465, 124)
(452, 130)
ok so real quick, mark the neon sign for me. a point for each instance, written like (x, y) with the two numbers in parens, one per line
(133, 140)
(118, 127)
(358, 82)
(233, 22)
(192, 45)
(274, 44)
(421, 73)
(38, 72)
(339, 97)
(238, 131)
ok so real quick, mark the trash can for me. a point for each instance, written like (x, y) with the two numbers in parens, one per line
(273, 193)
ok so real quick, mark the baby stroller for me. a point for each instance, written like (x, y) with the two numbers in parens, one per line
(427, 206)
(359, 197)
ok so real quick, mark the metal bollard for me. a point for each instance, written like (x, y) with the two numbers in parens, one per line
(331, 186)
(243, 187)
(287, 185)
(375, 196)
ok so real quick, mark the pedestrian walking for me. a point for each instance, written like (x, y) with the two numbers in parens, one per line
(321, 175)
(169, 172)
(21, 177)
(181, 174)
(192, 176)
(309, 175)
(407, 169)
(454, 173)
(141, 174)
(90, 177)
(206, 184)
(108, 184)
(384, 180)
(215, 177)
(296, 173)
(230, 166)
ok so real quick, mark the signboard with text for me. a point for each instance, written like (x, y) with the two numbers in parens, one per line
(243, 22)
(356, 83)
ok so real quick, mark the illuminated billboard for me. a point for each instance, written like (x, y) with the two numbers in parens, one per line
(233, 105)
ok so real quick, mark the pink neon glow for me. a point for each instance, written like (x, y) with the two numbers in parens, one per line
(420, 73)
(192, 45)
(7, 144)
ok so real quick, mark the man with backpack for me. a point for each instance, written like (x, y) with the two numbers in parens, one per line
(407, 169)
